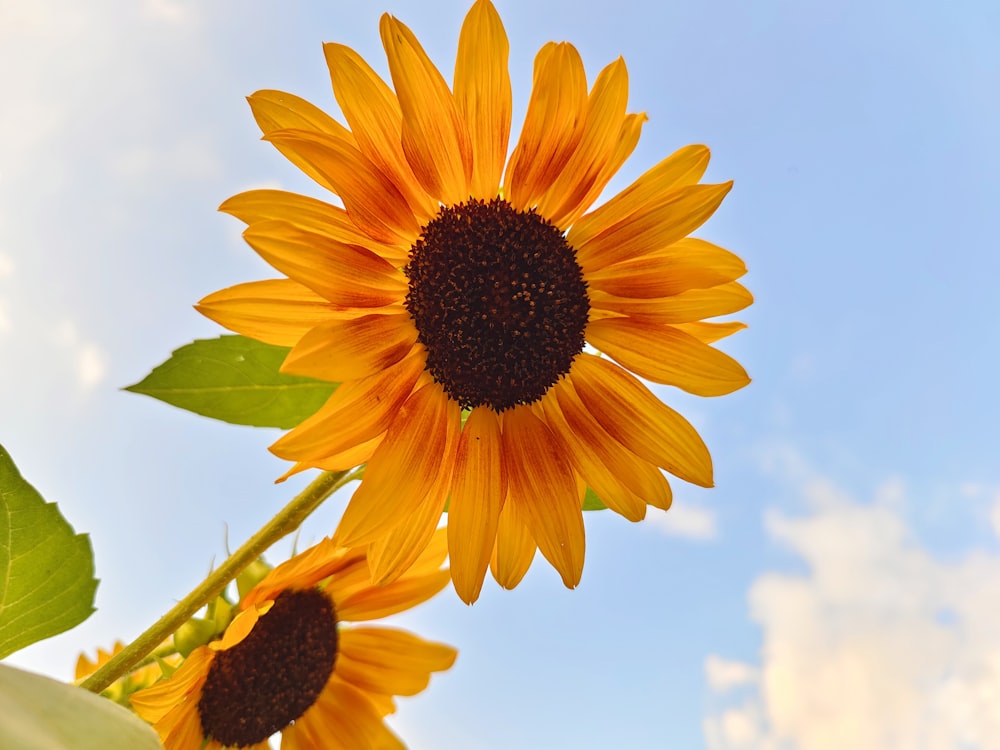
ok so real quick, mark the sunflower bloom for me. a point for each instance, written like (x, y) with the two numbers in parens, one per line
(453, 294)
(286, 664)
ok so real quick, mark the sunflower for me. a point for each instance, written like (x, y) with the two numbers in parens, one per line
(286, 664)
(455, 293)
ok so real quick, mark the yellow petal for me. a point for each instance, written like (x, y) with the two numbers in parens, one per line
(601, 129)
(356, 412)
(647, 231)
(155, 702)
(346, 459)
(406, 592)
(310, 215)
(187, 734)
(372, 111)
(640, 421)
(435, 140)
(389, 661)
(666, 355)
(687, 264)
(346, 275)
(343, 718)
(684, 167)
(543, 489)
(340, 350)
(552, 126)
(477, 494)
(277, 311)
(238, 629)
(404, 468)
(709, 333)
(483, 96)
(278, 110)
(306, 569)
(357, 599)
(371, 200)
(514, 548)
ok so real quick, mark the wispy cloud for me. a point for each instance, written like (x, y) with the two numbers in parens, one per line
(89, 361)
(684, 520)
(879, 646)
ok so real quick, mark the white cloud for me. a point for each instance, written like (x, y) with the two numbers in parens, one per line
(878, 646)
(172, 11)
(193, 157)
(6, 266)
(89, 361)
(5, 322)
(995, 515)
(685, 521)
(724, 675)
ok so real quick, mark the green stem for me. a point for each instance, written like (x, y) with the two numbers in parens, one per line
(285, 522)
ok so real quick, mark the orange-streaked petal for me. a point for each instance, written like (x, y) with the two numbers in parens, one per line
(683, 167)
(602, 462)
(543, 488)
(601, 129)
(342, 718)
(390, 661)
(372, 201)
(689, 263)
(310, 215)
(514, 549)
(477, 494)
(372, 111)
(346, 275)
(405, 466)
(685, 307)
(340, 350)
(663, 224)
(356, 412)
(666, 355)
(394, 552)
(277, 311)
(627, 140)
(552, 126)
(483, 95)
(435, 139)
(638, 420)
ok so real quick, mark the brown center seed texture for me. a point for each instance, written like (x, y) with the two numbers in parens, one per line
(271, 677)
(499, 302)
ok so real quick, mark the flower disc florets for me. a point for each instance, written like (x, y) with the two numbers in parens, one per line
(271, 677)
(499, 302)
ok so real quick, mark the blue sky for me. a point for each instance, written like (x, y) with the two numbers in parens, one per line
(838, 588)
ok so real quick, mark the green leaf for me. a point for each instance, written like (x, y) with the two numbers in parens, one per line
(592, 502)
(235, 379)
(42, 714)
(47, 579)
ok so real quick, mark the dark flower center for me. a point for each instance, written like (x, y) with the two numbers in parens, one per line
(271, 677)
(499, 303)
